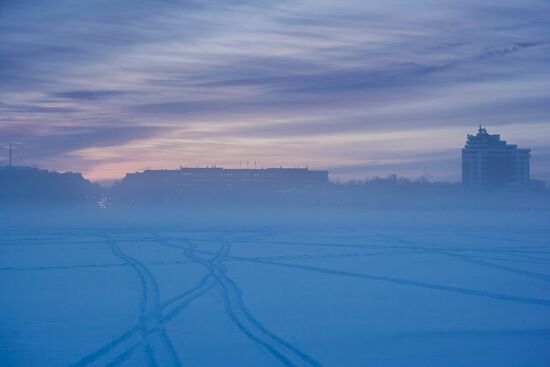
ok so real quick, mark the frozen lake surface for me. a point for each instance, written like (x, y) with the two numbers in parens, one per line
(403, 291)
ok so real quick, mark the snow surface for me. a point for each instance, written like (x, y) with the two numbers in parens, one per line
(433, 290)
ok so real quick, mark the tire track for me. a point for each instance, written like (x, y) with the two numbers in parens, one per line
(157, 348)
(175, 305)
(485, 237)
(407, 282)
(322, 256)
(171, 307)
(473, 260)
(500, 250)
(506, 259)
(505, 268)
(277, 347)
(107, 348)
(401, 281)
(84, 266)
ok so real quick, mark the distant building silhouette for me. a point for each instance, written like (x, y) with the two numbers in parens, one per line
(197, 178)
(33, 185)
(489, 163)
(219, 184)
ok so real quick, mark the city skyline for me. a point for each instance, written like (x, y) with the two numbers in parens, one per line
(357, 88)
(254, 166)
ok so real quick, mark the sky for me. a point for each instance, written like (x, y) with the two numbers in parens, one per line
(360, 88)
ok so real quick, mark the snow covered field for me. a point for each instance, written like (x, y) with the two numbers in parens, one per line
(427, 291)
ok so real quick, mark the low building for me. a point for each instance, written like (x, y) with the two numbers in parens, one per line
(204, 177)
(217, 183)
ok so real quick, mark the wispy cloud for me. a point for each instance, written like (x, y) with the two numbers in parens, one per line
(100, 85)
(88, 94)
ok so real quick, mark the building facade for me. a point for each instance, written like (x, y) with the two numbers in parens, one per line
(489, 163)
(218, 179)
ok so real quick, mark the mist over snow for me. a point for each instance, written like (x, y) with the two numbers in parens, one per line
(274, 183)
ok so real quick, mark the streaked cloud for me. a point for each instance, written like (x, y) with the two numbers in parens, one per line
(360, 87)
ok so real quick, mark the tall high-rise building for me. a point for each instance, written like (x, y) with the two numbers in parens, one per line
(489, 163)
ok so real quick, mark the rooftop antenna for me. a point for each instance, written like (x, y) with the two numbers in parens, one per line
(9, 164)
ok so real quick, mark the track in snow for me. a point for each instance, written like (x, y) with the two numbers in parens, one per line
(155, 345)
(122, 347)
(277, 347)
